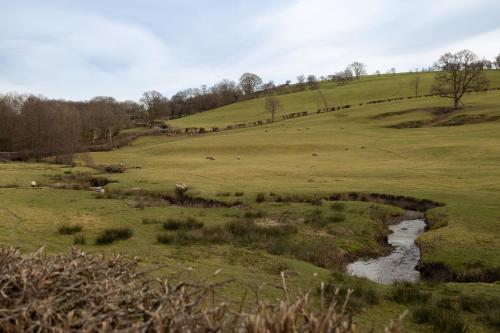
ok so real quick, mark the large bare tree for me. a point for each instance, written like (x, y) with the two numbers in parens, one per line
(459, 73)
(497, 62)
(272, 104)
(249, 83)
(152, 101)
(358, 68)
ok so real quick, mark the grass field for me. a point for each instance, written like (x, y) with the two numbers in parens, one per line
(359, 149)
(366, 89)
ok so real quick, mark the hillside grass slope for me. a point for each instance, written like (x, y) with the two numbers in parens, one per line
(417, 148)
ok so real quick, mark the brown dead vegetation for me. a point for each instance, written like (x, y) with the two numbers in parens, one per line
(82, 292)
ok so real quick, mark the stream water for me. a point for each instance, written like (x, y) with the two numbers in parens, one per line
(401, 264)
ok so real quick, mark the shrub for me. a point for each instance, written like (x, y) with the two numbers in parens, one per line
(238, 194)
(338, 206)
(69, 229)
(406, 292)
(261, 197)
(223, 194)
(79, 240)
(108, 236)
(188, 224)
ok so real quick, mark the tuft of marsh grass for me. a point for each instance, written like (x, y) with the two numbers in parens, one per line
(66, 229)
(255, 214)
(407, 292)
(108, 236)
(363, 294)
(338, 206)
(188, 224)
(442, 320)
(261, 197)
(79, 240)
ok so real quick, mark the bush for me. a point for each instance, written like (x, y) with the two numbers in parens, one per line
(238, 194)
(223, 194)
(261, 197)
(79, 240)
(338, 206)
(406, 292)
(108, 236)
(188, 224)
(69, 229)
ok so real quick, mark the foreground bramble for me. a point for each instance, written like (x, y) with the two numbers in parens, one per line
(82, 292)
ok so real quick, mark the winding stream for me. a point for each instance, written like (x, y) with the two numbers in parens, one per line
(401, 264)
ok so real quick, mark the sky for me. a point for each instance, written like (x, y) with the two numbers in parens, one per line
(76, 50)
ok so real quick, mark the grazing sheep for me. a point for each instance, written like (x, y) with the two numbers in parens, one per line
(181, 188)
(33, 184)
(315, 154)
(210, 158)
(239, 158)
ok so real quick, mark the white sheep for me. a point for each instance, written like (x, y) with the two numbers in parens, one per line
(33, 184)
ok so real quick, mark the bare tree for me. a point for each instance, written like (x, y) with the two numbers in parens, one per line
(312, 82)
(272, 104)
(358, 69)
(249, 83)
(392, 71)
(497, 62)
(152, 101)
(415, 84)
(458, 73)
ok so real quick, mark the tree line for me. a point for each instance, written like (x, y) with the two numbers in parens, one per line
(46, 127)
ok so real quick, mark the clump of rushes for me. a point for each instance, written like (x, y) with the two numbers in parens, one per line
(79, 240)
(261, 197)
(66, 229)
(406, 292)
(108, 236)
(338, 206)
(188, 224)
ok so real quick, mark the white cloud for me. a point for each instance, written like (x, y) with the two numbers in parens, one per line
(71, 53)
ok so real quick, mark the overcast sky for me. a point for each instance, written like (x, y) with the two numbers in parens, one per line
(79, 49)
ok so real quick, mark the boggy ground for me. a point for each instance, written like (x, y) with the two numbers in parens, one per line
(456, 167)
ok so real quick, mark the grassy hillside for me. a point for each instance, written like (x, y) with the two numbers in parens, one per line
(403, 148)
(366, 89)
